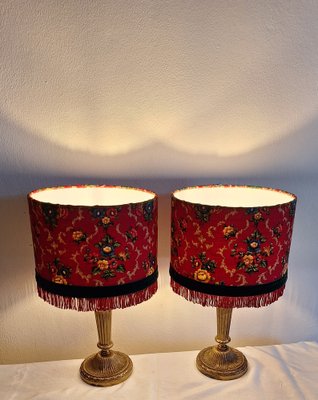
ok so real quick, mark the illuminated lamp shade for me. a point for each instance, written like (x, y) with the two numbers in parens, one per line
(95, 250)
(229, 248)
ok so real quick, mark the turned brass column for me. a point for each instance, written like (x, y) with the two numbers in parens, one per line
(222, 361)
(107, 367)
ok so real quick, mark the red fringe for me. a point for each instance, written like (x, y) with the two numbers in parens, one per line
(98, 304)
(224, 301)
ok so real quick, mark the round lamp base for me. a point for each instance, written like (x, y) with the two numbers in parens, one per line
(106, 370)
(224, 363)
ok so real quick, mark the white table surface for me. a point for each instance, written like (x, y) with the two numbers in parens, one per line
(279, 372)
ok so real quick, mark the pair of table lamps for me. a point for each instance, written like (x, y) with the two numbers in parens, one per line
(95, 250)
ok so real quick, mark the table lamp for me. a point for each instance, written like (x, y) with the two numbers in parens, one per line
(229, 248)
(95, 249)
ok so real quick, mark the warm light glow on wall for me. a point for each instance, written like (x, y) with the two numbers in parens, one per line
(202, 79)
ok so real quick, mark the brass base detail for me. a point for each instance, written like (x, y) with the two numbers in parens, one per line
(222, 364)
(107, 367)
(99, 370)
(222, 361)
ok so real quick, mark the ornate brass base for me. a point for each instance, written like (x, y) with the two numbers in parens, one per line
(222, 361)
(107, 367)
(224, 364)
(106, 370)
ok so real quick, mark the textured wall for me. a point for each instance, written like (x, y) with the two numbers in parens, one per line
(160, 94)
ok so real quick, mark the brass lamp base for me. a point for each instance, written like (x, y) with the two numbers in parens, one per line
(222, 361)
(106, 370)
(107, 367)
(224, 364)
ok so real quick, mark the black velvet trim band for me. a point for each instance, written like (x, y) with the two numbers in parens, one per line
(95, 291)
(230, 291)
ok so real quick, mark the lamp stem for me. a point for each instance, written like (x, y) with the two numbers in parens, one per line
(224, 316)
(107, 367)
(222, 361)
(104, 326)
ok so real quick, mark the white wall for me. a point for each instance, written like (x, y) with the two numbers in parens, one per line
(159, 94)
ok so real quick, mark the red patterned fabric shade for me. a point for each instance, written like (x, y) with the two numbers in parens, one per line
(95, 247)
(230, 244)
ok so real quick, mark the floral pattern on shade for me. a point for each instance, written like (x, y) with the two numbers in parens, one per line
(230, 246)
(94, 246)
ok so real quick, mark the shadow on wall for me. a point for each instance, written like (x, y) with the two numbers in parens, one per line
(28, 161)
(207, 78)
(16, 252)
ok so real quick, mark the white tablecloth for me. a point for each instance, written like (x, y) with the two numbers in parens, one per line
(280, 372)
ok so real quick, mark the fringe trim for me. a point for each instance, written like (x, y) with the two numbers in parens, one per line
(211, 300)
(98, 304)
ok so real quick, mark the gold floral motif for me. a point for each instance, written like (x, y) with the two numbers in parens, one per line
(107, 249)
(150, 271)
(248, 259)
(105, 220)
(202, 275)
(103, 264)
(123, 256)
(78, 236)
(254, 245)
(229, 231)
(59, 279)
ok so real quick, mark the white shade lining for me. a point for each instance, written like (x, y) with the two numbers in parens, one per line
(92, 196)
(234, 196)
